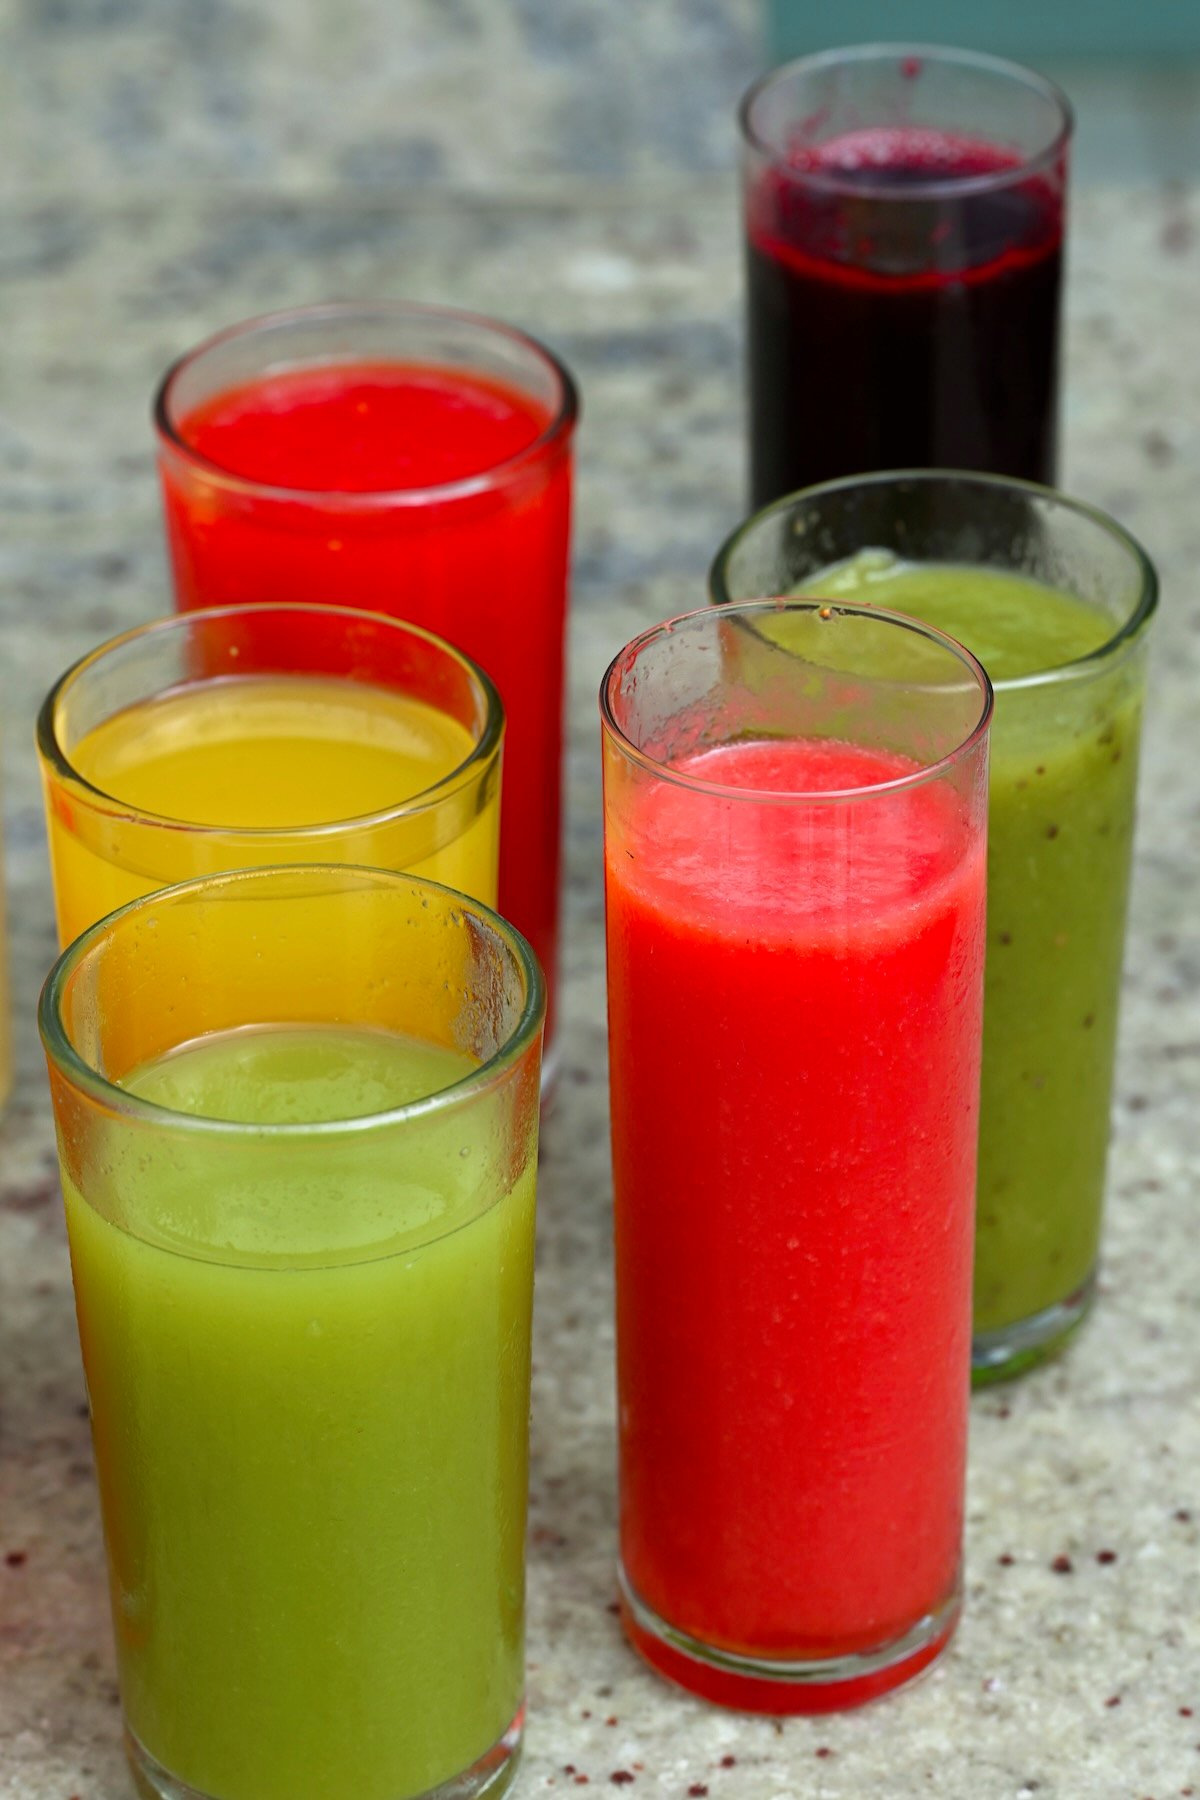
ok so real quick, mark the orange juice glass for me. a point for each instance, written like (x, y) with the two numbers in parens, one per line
(252, 735)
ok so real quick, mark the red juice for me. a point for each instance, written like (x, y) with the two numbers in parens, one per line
(435, 493)
(794, 1012)
(904, 288)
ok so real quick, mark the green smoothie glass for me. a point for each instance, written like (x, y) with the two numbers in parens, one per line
(297, 1117)
(1055, 600)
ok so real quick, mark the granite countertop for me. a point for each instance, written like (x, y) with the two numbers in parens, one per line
(167, 166)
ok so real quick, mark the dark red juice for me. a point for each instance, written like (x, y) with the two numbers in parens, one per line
(903, 310)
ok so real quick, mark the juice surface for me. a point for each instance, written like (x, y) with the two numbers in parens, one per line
(936, 317)
(1014, 625)
(311, 1448)
(272, 751)
(268, 753)
(296, 1075)
(794, 1011)
(1063, 779)
(364, 427)
(484, 568)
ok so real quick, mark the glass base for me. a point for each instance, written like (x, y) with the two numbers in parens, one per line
(769, 1685)
(492, 1775)
(1011, 1350)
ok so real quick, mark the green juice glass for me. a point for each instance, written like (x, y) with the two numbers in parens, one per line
(297, 1115)
(1055, 600)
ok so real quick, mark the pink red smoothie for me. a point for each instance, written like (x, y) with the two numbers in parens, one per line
(795, 1009)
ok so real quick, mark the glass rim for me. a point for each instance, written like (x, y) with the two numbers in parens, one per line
(1079, 666)
(483, 750)
(784, 603)
(114, 1098)
(560, 425)
(936, 187)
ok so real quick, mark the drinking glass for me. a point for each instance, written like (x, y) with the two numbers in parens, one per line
(297, 1115)
(406, 459)
(1018, 573)
(904, 217)
(267, 734)
(794, 854)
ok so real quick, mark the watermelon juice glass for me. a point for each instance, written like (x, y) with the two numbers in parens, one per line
(794, 860)
(297, 1117)
(405, 459)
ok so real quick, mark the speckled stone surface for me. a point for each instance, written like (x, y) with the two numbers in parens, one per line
(167, 166)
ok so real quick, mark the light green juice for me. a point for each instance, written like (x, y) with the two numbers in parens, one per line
(309, 1376)
(1063, 777)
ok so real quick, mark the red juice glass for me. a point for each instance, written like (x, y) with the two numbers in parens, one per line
(405, 459)
(794, 856)
(904, 215)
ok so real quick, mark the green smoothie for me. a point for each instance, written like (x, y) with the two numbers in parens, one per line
(1063, 776)
(309, 1378)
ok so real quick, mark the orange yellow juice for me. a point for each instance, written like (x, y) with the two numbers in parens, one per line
(248, 770)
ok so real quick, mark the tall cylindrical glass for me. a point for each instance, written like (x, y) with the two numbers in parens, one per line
(297, 1119)
(410, 460)
(248, 735)
(904, 213)
(794, 854)
(1056, 600)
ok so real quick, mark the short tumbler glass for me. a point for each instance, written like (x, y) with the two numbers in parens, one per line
(305, 1326)
(1063, 785)
(250, 735)
(794, 853)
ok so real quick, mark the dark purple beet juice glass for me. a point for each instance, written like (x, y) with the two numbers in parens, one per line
(904, 231)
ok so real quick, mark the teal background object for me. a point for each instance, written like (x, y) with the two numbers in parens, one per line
(1025, 29)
